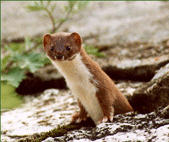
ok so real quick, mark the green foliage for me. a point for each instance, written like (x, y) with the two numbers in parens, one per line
(32, 61)
(76, 6)
(22, 62)
(81, 5)
(13, 77)
(5, 61)
(37, 6)
(72, 7)
(94, 51)
(9, 97)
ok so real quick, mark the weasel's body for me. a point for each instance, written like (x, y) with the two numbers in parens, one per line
(78, 78)
(96, 93)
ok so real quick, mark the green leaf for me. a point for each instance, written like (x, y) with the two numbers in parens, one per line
(62, 20)
(14, 47)
(32, 62)
(53, 8)
(94, 51)
(5, 61)
(15, 55)
(45, 59)
(66, 8)
(71, 4)
(9, 98)
(14, 76)
(37, 40)
(28, 43)
(82, 4)
(36, 6)
(76, 6)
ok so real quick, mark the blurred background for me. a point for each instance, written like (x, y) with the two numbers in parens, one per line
(130, 29)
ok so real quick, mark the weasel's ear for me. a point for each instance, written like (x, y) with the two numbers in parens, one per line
(46, 39)
(76, 38)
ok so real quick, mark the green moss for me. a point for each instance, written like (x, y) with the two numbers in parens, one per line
(60, 131)
(9, 98)
(57, 132)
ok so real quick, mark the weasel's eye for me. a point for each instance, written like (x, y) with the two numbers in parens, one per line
(51, 48)
(68, 48)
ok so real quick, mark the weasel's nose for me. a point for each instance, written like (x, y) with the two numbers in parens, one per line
(59, 56)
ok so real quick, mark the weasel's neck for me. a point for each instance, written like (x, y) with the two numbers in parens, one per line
(71, 68)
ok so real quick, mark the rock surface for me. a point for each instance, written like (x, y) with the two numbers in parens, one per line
(153, 94)
(149, 127)
(53, 108)
(45, 78)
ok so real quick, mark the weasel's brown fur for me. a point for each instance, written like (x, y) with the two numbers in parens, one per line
(107, 88)
(76, 66)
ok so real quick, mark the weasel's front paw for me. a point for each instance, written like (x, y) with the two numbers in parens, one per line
(78, 117)
(105, 119)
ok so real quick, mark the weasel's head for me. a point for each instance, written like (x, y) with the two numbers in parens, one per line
(62, 46)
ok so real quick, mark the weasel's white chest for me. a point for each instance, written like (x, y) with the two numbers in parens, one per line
(78, 79)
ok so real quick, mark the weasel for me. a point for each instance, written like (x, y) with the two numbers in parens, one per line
(96, 93)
